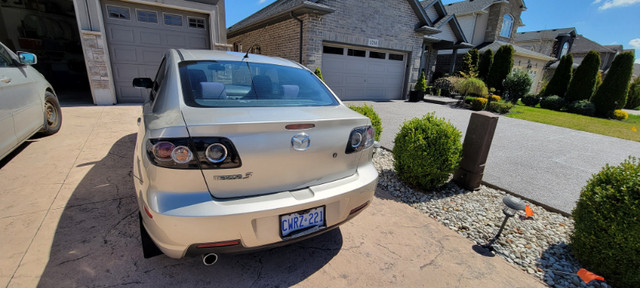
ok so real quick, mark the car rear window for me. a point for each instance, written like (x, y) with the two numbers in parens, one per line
(243, 84)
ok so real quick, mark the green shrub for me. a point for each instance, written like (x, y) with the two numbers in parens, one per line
(470, 62)
(318, 73)
(582, 107)
(560, 79)
(553, 102)
(606, 236)
(612, 94)
(421, 85)
(530, 100)
(495, 97)
(444, 85)
(469, 99)
(584, 79)
(473, 86)
(484, 64)
(516, 85)
(479, 103)
(501, 67)
(620, 115)
(633, 99)
(500, 107)
(373, 116)
(427, 151)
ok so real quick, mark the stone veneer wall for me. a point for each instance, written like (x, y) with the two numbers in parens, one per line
(97, 67)
(494, 23)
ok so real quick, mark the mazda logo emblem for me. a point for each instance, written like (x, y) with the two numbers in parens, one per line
(300, 142)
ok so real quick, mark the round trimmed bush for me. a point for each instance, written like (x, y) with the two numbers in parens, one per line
(500, 107)
(473, 87)
(552, 103)
(444, 85)
(516, 85)
(495, 98)
(469, 99)
(530, 100)
(582, 107)
(478, 103)
(427, 151)
(373, 116)
(606, 237)
(620, 115)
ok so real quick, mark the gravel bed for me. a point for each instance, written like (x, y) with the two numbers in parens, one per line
(537, 245)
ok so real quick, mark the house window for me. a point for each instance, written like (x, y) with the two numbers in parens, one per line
(357, 53)
(397, 57)
(333, 50)
(507, 25)
(377, 55)
(196, 23)
(118, 12)
(172, 20)
(147, 16)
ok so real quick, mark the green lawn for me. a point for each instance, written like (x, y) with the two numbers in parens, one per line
(628, 129)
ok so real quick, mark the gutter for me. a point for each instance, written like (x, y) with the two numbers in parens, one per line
(301, 34)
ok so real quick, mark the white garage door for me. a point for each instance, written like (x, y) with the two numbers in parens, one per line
(138, 36)
(362, 74)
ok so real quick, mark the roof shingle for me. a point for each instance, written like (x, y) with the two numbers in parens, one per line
(550, 34)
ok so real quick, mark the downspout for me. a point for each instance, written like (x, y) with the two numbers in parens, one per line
(301, 33)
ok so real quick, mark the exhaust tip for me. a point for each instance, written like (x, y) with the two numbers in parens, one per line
(209, 259)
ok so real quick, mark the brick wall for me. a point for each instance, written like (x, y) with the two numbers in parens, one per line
(280, 40)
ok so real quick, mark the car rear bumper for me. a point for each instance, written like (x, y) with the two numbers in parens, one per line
(252, 221)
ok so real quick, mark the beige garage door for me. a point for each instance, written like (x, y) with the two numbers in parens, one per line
(138, 35)
(363, 74)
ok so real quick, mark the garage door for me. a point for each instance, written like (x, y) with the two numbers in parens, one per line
(363, 74)
(138, 36)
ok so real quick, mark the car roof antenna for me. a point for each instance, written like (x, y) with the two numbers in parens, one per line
(254, 43)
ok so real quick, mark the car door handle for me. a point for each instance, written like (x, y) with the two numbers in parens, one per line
(5, 79)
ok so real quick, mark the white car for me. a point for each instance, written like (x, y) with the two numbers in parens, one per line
(28, 104)
(238, 152)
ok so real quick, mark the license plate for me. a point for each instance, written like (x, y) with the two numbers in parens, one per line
(312, 219)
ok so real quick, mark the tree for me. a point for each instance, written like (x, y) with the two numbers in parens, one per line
(484, 64)
(633, 99)
(501, 67)
(612, 94)
(470, 62)
(421, 85)
(516, 85)
(318, 73)
(584, 79)
(561, 77)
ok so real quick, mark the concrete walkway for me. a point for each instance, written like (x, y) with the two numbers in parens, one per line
(68, 217)
(544, 163)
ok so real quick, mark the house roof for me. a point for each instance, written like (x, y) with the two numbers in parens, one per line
(550, 34)
(495, 45)
(276, 11)
(583, 45)
(470, 6)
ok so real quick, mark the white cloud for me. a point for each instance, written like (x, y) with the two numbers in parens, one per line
(635, 43)
(261, 1)
(615, 3)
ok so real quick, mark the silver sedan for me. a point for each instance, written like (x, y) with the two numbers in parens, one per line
(238, 152)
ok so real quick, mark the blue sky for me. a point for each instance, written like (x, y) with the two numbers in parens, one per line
(604, 21)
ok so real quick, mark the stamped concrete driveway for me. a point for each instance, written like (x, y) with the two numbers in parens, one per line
(68, 218)
(543, 163)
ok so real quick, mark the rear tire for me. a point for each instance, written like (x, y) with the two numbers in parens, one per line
(52, 114)
(149, 249)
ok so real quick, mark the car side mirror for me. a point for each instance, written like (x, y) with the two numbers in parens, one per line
(26, 58)
(142, 82)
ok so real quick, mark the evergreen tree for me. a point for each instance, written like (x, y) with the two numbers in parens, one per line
(561, 78)
(421, 84)
(470, 62)
(485, 64)
(633, 99)
(584, 79)
(612, 94)
(318, 73)
(501, 67)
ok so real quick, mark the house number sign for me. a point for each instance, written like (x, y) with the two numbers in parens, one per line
(374, 42)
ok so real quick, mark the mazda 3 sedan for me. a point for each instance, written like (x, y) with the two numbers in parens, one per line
(238, 152)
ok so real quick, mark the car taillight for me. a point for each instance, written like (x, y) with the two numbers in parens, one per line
(200, 152)
(360, 138)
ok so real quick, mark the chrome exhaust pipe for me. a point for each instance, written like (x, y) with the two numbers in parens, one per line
(209, 259)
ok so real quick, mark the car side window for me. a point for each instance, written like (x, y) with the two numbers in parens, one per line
(5, 58)
(157, 81)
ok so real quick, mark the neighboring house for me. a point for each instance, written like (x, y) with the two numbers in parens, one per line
(582, 45)
(490, 24)
(553, 42)
(101, 45)
(367, 50)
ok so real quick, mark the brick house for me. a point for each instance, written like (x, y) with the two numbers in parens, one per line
(489, 24)
(370, 50)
